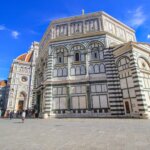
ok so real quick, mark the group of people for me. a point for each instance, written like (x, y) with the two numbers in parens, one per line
(23, 115)
(20, 114)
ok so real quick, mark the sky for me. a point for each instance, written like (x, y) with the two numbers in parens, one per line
(25, 21)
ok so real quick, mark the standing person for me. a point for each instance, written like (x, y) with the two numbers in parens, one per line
(10, 115)
(23, 116)
(0, 113)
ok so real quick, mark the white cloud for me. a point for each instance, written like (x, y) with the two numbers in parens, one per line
(148, 36)
(137, 17)
(2, 27)
(15, 34)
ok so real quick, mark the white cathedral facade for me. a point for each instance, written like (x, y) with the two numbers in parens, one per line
(21, 80)
(91, 66)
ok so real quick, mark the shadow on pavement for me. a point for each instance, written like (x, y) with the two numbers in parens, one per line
(18, 122)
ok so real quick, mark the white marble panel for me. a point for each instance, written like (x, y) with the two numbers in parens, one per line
(64, 90)
(130, 82)
(101, 55)
(82, 101)
(103, 101)
(55, 103)
(123, 83)
(83, 89)
(147, 97)
(78, 89)
(96, 103)
(65, 59)
(82, 57)
(54, 91)
(63, 104)
(93, 89)
(104, 88)
(75, 103)
(125, 94)
(98, 88)
(132, 92)
(73, 90)
(59, 90)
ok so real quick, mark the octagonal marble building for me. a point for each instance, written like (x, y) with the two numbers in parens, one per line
(92, 66)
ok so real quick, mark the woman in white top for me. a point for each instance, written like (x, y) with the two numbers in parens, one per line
(23, 116)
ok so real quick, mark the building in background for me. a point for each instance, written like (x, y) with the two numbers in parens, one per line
(21, 80)
(92, 66)
(3, 91)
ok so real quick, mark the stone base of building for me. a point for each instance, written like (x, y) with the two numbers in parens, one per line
(92, 114)
(87, 114)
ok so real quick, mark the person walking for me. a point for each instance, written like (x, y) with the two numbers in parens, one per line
(23, 116)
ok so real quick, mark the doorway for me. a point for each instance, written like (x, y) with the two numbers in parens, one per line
(127, 107)
(20, 105)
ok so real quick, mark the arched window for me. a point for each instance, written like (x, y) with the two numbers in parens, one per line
(91, 69)
(72, 71)
(59, 72)
(60, 55)
(77, 56)
(123, 63)
(78, 49)
(96, 68)
(55, 73)
(60, 58)
(96, 50)
(83, 71)
(65, 72)
(95, 55)
(78, 70)
(102, 68)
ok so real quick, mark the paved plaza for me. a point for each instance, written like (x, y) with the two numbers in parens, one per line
(75, 134)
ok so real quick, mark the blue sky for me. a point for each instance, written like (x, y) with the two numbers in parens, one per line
(22, 22)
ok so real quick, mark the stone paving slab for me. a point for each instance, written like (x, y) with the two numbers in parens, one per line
(75, 134)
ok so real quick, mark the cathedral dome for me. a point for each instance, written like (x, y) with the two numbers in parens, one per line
(22, 57)
(3, 83)
(25, 57)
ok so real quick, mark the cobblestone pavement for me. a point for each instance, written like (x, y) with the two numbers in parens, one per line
(75, 134)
